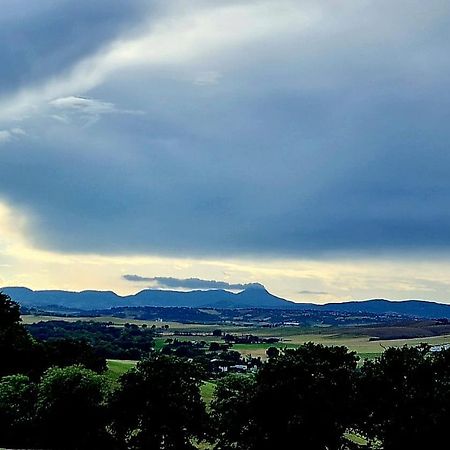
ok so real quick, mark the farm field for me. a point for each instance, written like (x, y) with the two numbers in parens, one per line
(362, 345)
(290, 336)
(31, 318)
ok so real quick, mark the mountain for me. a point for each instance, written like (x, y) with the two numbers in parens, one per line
(255, 296)
(415, 308)
(67, 299)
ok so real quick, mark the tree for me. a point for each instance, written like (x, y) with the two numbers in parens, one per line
(68, 352)
(9, 312)
(405, 398)
(158, 405)
(17, 401)
(16, 345)
(20, 353)
(71, 409)
(304, 396)
(129, 342)
(231, 411)
(272, 352)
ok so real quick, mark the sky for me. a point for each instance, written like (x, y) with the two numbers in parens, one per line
(301, 144)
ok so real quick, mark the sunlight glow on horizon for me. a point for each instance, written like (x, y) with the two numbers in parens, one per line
(314, 281)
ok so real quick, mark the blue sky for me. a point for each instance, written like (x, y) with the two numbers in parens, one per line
(277, 136)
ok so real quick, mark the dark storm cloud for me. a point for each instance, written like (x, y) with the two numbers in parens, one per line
(42, 38)
(315, 145)
(189, 283)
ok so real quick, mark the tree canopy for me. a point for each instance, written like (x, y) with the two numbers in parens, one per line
(159, 406)
(71, 408)
(304, 395)
(17, 411)
(21, 353)
(404, 398)
(17, 348)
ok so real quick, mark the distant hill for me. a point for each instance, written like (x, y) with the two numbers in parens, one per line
(253, 297)
(415, 308)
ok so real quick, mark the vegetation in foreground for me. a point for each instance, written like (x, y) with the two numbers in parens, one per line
(313, 397)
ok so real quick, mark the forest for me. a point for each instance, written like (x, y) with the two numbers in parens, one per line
(55, 394)
(127, 342)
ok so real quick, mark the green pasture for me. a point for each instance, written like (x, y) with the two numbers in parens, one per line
(362, 345)
(32, 318)
(28, 319)
(207, 391)
(290, 337)
(117, 367)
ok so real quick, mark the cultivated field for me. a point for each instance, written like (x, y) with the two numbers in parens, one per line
(366, 345)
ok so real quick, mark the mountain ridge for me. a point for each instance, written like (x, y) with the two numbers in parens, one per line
(253, 297)
(90, 299)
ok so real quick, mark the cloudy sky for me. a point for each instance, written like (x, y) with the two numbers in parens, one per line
(302, 144)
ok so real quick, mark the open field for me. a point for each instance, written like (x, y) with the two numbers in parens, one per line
(31, 318)
(362, 345)
(207, 391)
(117, 367)
(290, 336)
(173, 326)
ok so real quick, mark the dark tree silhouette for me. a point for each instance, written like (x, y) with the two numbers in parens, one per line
(158, 405)
(305, 396)
(9, 312)
(21, 353)
(272, 352)
(405, 398)
(302, 398)
(231, 411)
(67, 352)
(17, 412)
(129, 342)
(71, 409)
(17, 348)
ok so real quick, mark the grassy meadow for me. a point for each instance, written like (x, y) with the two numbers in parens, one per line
(117, 367)
(290, 336)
